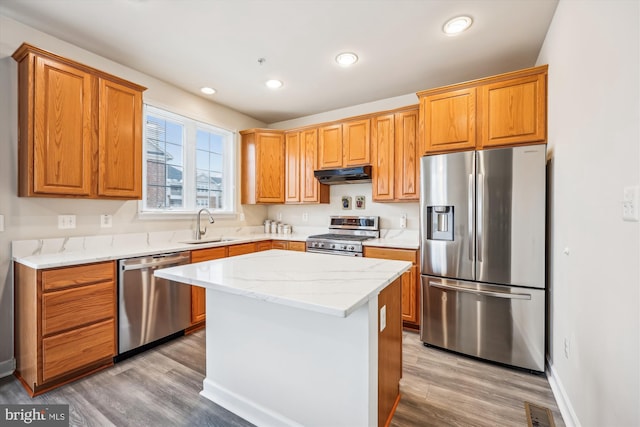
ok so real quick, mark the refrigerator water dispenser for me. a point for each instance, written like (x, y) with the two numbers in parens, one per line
(440, 222)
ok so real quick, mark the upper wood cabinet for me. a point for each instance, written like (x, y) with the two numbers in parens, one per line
(263, 166)
(344, 144)
(302, 161)
(80, 129)
(394, 147)
(513, 111)
(503, 110)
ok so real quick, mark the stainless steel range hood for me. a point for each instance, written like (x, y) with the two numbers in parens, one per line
(353, 175)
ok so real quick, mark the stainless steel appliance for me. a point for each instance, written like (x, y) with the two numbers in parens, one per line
(348, 233)
(483, 254)
(150, 308)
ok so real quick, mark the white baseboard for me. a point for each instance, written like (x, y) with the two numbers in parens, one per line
(243, 407)
(7, 367)
(564, 403)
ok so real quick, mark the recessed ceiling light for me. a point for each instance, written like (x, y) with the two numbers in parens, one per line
(273, 84)
(207, 90)
(346, 59)
(457, 25)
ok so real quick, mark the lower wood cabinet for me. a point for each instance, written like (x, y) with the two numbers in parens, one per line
(65, 323)
(410, 281)
(198, 300)
(290, 245)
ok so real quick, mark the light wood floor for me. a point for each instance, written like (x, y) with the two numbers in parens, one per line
(160, 388)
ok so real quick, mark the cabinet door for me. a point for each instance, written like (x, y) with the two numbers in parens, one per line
(293, 156)
(449, 121)
(407, 164)
(264, 246)
(512, 111)
(410, 295)
(62, 139)
(311, 191)
(270, 168)
(198, 299)
(330, 147)
(382, 148)
(356, 139)
(120, 141)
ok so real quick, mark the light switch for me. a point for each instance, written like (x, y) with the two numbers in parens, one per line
(66, 221)
(630, 204)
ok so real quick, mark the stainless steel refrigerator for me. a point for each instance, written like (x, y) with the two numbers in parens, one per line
(482, 244)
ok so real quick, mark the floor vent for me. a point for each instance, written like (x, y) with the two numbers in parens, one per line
(538, 416)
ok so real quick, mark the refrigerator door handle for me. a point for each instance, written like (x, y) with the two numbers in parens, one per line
(470, 218)
(480, 215)
(496, 294)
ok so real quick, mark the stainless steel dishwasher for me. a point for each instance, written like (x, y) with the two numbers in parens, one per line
(150, 308)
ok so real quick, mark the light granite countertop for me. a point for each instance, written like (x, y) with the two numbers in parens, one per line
(328, 284)
(67, 251)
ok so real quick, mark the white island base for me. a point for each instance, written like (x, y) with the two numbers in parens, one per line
(278, 359)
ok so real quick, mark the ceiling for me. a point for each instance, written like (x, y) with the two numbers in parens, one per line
(217, 43)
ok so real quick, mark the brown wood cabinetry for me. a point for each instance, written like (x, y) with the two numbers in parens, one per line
(344, 144)
(65, 323)
(290, 245)
(242, 248)
(503, 110)
(389, 353)
(301, 162)
(410, 280)
(263, 166)
(396, 171)
(198, 300)
(80, 129)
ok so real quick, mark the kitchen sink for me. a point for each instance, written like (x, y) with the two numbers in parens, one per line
(203, 241)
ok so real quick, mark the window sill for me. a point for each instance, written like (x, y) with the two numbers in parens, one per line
(184, 215)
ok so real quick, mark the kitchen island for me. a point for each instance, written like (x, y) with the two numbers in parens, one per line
(301, 339)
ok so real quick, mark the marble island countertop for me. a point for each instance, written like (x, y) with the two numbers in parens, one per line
(322, 283)
(67, 251)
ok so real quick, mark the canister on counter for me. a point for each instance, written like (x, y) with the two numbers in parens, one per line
(267, 226)
(280, 228)
(274, 227)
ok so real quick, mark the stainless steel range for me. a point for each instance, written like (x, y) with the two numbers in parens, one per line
(346, 237)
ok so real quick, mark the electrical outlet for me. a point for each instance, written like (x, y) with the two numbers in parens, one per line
(383, 318)
(1, 222)
(567, 348)
(66, 221)
(305, 217)
(279, 216)
(403, 220)
(242, 216)
(106, 221)
(631, 196)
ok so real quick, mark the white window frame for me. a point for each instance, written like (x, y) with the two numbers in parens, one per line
(191, 126)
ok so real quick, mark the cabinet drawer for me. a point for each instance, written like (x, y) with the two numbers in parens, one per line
(279, 244)
(208, 254)
(393, 254)
(297, 246)
(80, 275)
(244, 248)
(74, 307)
(263, 246)
(78, 348)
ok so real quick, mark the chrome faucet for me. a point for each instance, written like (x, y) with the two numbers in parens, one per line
(200, 232)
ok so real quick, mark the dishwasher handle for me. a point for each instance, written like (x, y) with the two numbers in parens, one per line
(155, 261)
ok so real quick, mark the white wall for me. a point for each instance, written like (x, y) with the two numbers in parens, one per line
(592, 48)
(28, 218)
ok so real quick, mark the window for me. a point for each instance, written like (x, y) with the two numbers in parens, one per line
(189, 165)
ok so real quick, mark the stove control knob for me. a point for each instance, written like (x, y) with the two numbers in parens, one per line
(332, 246)
(344, 247)
(321, 245)
(351, 248)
